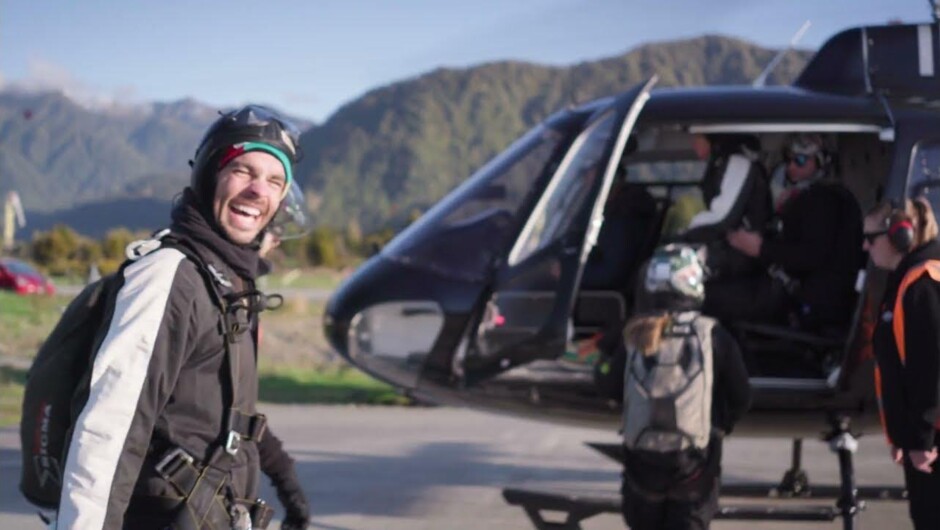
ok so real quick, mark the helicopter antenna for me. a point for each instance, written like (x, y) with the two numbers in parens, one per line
(762, 78)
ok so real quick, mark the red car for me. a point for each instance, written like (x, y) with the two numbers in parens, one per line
(20, 277)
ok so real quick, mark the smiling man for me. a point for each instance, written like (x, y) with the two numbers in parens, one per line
(248, 191)
(166, 431)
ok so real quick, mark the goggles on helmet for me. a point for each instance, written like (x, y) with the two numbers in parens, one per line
(258, 116)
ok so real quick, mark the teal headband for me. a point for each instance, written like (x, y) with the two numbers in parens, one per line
(257, 146)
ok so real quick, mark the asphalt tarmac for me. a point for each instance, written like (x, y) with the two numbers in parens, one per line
(391, 468)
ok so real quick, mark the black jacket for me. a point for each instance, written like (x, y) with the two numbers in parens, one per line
(819, 245)
(158, 380)
(911, 391)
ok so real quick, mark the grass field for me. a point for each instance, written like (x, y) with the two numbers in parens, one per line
(336, 385)
(302, 279)
(25, 321)
(11, 394)
(296, 364)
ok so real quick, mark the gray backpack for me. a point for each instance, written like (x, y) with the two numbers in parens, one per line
(668, 395)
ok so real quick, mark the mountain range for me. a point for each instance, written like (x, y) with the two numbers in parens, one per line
(378, 159)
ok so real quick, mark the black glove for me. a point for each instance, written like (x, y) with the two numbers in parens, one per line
(295, 504)
(295, 523)
(279, 467)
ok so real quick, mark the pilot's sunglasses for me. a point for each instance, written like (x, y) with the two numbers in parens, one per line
(872, 236)
(799, 160)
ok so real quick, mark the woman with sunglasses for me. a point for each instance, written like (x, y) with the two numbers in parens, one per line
(907, 346)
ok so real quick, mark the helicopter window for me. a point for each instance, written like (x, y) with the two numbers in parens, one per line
(676, 185)
(567, 191)
(666, 172)
(924, 177)
(461, 234)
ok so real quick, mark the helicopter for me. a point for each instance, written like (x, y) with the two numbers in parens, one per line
(492, 298)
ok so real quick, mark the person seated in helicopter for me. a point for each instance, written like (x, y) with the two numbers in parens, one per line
(812, 257)
(736, 192)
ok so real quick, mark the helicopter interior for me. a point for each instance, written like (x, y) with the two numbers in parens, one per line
(654, 196)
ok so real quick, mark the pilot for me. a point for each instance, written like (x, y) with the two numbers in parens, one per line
(812, 259)
(907, 347)
(737, 193)
(672, 444)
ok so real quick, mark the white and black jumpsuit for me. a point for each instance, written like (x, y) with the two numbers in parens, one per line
(158, 382)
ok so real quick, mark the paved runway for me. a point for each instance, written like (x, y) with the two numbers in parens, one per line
(377, 468)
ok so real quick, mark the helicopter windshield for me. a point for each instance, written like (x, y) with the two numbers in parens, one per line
(462, 234)
(568, 190)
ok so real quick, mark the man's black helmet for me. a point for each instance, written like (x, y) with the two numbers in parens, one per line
(255, 128)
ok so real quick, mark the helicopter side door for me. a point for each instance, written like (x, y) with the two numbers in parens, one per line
(526, 316)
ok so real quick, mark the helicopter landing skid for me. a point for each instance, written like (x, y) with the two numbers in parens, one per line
(575, 508)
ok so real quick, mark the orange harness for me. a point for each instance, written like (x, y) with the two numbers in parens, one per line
(931, 267)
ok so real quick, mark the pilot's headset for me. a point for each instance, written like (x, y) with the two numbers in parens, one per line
(674, 279)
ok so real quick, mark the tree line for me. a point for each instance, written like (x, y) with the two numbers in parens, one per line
(61, 251)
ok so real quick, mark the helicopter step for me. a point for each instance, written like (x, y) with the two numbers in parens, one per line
(794, 485)
(795, 481)
(578, 507)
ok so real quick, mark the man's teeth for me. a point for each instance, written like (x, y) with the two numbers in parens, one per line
(247, 210)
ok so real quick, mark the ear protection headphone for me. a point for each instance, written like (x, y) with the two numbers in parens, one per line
(900, 231)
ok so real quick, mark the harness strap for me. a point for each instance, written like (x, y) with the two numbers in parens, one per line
(201, 486)
(248, 426)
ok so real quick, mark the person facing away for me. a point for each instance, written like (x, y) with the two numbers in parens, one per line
(906, 344)
(168, 434)
(734, 187)
(736, 193)
(813, 258)
(686, 387)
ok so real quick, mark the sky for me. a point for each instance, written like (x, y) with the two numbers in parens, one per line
(309, 57)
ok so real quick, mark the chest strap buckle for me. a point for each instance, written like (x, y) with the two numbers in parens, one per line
(232, 443)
